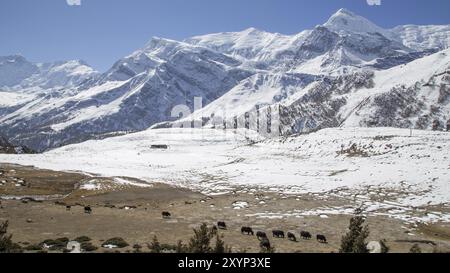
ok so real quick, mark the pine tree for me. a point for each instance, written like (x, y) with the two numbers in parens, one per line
(181, 248)
(220, 245)
(355, 240)
(6, 244)
(200, 242)
(155, 246)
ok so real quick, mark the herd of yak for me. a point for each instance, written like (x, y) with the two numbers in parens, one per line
(264, 240)
(262, 236)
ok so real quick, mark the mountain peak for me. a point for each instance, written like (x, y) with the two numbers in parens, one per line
(158, 42)
(13, 58)
(251, 30)
(72, 67)
(344, 11)
(346, 21)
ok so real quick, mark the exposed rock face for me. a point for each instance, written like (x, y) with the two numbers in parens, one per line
(8, 148)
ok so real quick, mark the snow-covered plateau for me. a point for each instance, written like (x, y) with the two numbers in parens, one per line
(396, 171)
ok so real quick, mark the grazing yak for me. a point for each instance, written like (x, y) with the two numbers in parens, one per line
(265, 244)
(291, 237)
(261, 235)
(278, 233)
(166, 215)
(87, 210)
(221, 225)
(322, 239)
(305, 235)
(247, 230)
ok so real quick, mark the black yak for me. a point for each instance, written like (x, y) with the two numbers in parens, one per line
(291, 237)
(305, 235)
(278, 233)
(322, 239)
(261, 235)
(221, 225)
(247, 230)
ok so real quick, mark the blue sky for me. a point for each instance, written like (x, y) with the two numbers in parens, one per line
(102, 31)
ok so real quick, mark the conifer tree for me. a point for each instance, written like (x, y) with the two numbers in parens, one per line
(355, 240)
(6, 243)
(200, 242)
(155, 246)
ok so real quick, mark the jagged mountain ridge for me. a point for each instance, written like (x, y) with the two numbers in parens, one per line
(242, 69)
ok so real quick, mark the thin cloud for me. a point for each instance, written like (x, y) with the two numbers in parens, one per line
(73, 2)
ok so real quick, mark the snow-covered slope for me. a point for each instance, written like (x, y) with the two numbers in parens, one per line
(317, 76)
(252, 45)
(262, 89)
(414, 95)
(380, 168)
(424, 37)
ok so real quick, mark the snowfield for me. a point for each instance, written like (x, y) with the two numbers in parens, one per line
(386, 170)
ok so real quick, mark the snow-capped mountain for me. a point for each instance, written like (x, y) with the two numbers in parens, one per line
(18, 74)
(316, 77)
(15, 69)
(138, 91)
(347, 22)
